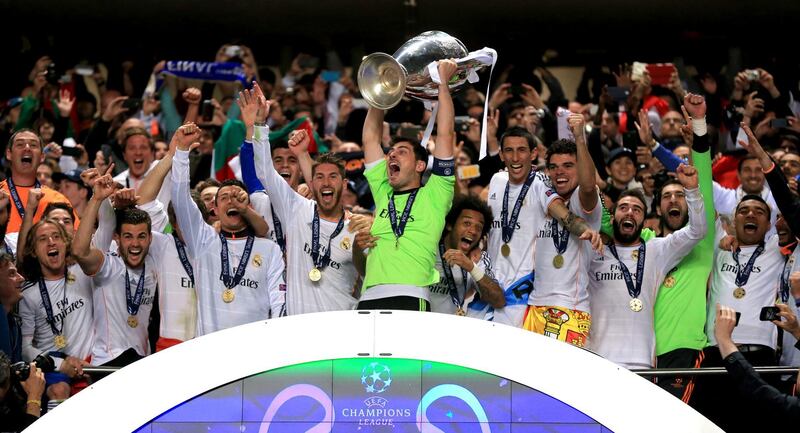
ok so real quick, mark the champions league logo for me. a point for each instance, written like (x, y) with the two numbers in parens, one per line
(376, 377)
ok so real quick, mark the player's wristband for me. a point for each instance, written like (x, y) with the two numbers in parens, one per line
(36, 402)
(699, 127)
(444, 167)
(477, 273)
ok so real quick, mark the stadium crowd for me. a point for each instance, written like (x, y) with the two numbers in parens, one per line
(223, 193)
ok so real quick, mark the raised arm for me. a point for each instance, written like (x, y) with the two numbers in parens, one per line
(298, 144)
(371, 136)
(586, 171)
(151, 185)
(89, 258)
(196, 233)
(445, 118)
(788, 203)
(34, 196)
(254, 108)
(684, 240)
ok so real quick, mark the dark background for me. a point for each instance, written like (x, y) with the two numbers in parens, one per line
(583, 32)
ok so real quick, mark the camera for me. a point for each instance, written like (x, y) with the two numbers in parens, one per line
(50, 74)
(22, 370)
(769, 314)
(752, 74)
(462, 123)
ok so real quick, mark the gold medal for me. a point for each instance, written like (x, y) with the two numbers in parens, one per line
(257, 260)
(635, 255)
(227, 296)
(505, 250)
(314, 275)
(133, 321)
(669, 282)
(739, 293)
(345, 243)
(60, 341)
(460, 312)
(70, 278)
(636, 305)
(558, 261)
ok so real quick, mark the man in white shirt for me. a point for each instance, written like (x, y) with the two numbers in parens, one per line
(751, 177)
(139, 153)
(559, 304)
(520, 199)
(239, 278)
(465, 272)
(56, 308)
(624, 279)
(747, 279)
(125, 281)
(320, 272)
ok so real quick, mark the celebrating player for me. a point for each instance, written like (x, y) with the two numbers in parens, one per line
(238, 276)
(320, 273)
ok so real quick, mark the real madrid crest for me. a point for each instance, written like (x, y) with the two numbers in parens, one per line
(70, 278)
(257, 260)
(345, 243)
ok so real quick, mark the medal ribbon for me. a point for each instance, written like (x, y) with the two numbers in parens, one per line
(560, 240)
(133, 302)
(784, 289)
(634, 291)
(398, 229)
(48, 305)
(321, 261)
(276, 223)
(226, 271)
(743, 273)
(508, 226)
(187, 265)
(458, 301)
(15, 196)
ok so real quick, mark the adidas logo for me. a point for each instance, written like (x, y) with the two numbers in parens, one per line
(493, 196)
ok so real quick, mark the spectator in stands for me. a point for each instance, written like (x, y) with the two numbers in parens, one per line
(24, 153)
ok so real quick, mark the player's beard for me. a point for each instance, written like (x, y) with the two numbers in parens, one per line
(626, 238)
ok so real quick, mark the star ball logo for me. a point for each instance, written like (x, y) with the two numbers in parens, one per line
(376, 377)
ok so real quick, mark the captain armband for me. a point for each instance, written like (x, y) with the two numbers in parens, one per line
(444, 167)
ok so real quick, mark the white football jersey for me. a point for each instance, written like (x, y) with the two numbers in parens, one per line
(334, 291)
(618, 333)
(113, 335)
(519, 262)
(261, 291)
(565, 286)
(72, 313)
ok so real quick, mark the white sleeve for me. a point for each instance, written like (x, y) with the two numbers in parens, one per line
(27, 313)
(158, 246)
(275, 285)
(196, 233)
(724, 199)
(284, 199)
(680, 243)
(260, 202)
(542, 192)
(106, 224)
(158, 215)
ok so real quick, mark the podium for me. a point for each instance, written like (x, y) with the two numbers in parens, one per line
(374, 371)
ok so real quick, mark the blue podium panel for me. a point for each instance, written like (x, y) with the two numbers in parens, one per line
(367, 395)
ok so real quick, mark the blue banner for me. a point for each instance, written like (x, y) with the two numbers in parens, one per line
(208, 71)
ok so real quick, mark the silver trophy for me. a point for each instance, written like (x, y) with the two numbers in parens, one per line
(384, 79)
